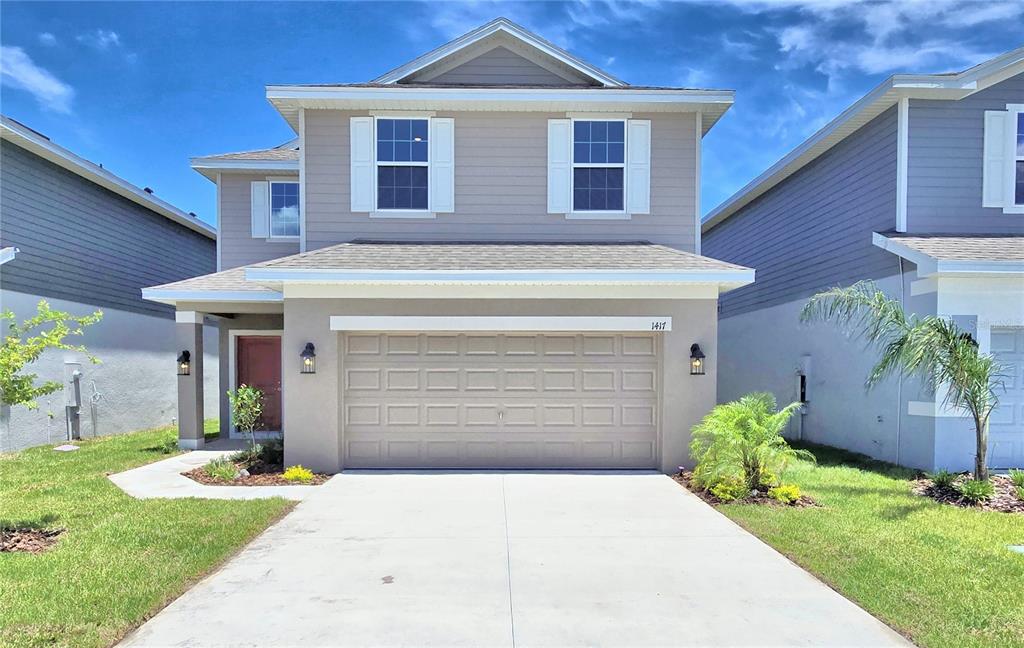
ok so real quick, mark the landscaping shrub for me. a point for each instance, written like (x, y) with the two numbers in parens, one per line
(298, 474)
(742, 441)
(272, 452)
(730, 489)
(942, 478)
(975, 490)
(1017, 477)
(785, 493)
(769, 479)
(246, 410)
(168, 444)
(221, 469)
(1019, 491)
(246, 457)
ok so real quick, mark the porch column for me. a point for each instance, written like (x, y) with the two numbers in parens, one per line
(189, 329)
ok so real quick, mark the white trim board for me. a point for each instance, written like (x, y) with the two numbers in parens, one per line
(233, 335)
(490, 276)
(538, 324)
(8, 254)
(173, 296)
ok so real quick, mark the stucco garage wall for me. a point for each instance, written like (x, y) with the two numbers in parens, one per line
(136, 382)
(761, 350)
(312, 402)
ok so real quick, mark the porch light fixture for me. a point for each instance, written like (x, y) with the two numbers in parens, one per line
(185, 363)
(696, 360)
(308, 356)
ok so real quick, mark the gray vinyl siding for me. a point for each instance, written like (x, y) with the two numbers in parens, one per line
(237, 246)
(944, 166)
(501, 66)
(813, 230)
(84, 243)
(500, 185)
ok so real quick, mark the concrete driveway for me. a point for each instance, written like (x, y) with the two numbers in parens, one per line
(506, 559)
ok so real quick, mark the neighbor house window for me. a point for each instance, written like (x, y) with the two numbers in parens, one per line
(598, 165)
(284, 209)
(402, 164)
(1018, 152)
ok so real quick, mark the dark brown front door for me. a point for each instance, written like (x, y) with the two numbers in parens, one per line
(259, 365)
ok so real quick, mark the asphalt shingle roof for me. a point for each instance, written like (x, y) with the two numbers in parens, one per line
(277, 154)
(964, 247)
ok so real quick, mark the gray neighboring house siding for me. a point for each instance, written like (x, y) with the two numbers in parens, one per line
(944, 170)
(82, 248)
(500, 185)
(813, 230)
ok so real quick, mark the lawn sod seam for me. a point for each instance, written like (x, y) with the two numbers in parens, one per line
(939, 574)
(121, 560)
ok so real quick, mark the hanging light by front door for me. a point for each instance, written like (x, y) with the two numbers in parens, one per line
(696, 360)
(308, 356)
(185, 363)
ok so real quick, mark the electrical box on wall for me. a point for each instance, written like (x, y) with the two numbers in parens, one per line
(803, 374)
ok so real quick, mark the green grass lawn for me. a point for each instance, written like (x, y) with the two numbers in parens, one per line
(939, 574)
(121, 559)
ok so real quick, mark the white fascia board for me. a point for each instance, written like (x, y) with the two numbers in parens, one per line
(509, 276)
(8, 254)
(174, 296)
(510, 28)
(44, 148)
(537, 324)
(928, 265)
(245, 165)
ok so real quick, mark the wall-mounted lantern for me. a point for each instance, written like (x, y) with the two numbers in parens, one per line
(308, 356)
(696, 360)
(185, 363)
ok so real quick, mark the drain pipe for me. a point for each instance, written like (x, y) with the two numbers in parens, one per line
(899, 383)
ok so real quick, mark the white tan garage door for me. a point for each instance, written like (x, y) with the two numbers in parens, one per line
(1006, 425)
(477, 400)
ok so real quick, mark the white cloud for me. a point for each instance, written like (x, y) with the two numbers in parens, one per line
(48, 39)
(101, 39)
(17, 70)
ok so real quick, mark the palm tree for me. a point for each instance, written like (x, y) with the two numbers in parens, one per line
(933, 347)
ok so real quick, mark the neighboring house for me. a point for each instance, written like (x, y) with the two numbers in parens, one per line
(83, 239)
(918, 186)
(492, 251)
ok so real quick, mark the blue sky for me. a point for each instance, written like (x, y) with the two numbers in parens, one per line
(141, 87)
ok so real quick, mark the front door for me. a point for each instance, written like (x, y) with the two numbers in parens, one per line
(259, 365)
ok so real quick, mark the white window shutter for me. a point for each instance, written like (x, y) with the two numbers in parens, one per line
(361, 163)
(260, 209)
(993, 176)
(442, 164)
(559, 166)
(638, 166)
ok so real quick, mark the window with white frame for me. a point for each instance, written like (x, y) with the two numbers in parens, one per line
(284, 209)
(402, 159)
(1018, 159)
(598, 165)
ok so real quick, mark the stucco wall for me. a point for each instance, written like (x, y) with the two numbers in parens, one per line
(312, 403)
(135, 386)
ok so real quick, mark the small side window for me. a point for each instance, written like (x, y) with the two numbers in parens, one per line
(284, 209)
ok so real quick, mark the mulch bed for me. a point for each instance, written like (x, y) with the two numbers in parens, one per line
(259, 475)
(685, 479)
(1004, 499)
(29, 540)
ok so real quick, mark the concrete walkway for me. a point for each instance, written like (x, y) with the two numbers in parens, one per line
(514, 559)
(163, 479)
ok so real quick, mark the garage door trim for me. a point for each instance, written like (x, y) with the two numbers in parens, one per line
(541, 324)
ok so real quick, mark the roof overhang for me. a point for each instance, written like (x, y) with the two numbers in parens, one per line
(173, 297)
(508, 28)
(210, 168)
(881, 98)
(928, 266)
(31, 141)
(290, 99)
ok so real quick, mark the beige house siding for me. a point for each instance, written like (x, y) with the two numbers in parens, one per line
(501, 66)
(500, 185)
(237, 246)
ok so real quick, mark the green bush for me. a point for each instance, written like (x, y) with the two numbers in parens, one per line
(272, 452)
(975, 490)
(298, 474)
(1019, 491)
(168, 444)
(728, 490)
(785, 493)
(942, 478)
(769, 479)
(742, 440)
(246, 457)
(221, 469)
(1017, 477)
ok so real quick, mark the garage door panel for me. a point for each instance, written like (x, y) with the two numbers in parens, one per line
(496, 400)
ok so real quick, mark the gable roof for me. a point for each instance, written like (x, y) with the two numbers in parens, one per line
(949, 86)
(505, 27)
(39, 144)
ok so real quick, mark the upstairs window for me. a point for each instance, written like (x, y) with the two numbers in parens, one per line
(598, 165)
(284, 209)
(403, 153)
(1018, 191)
(1002, 178)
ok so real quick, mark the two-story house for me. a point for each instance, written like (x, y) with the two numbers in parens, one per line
(486, 257)
(918, 186)
(83, 239)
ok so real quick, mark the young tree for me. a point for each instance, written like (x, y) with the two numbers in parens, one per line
(933, 347)
(246, 410)
(24, 343)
